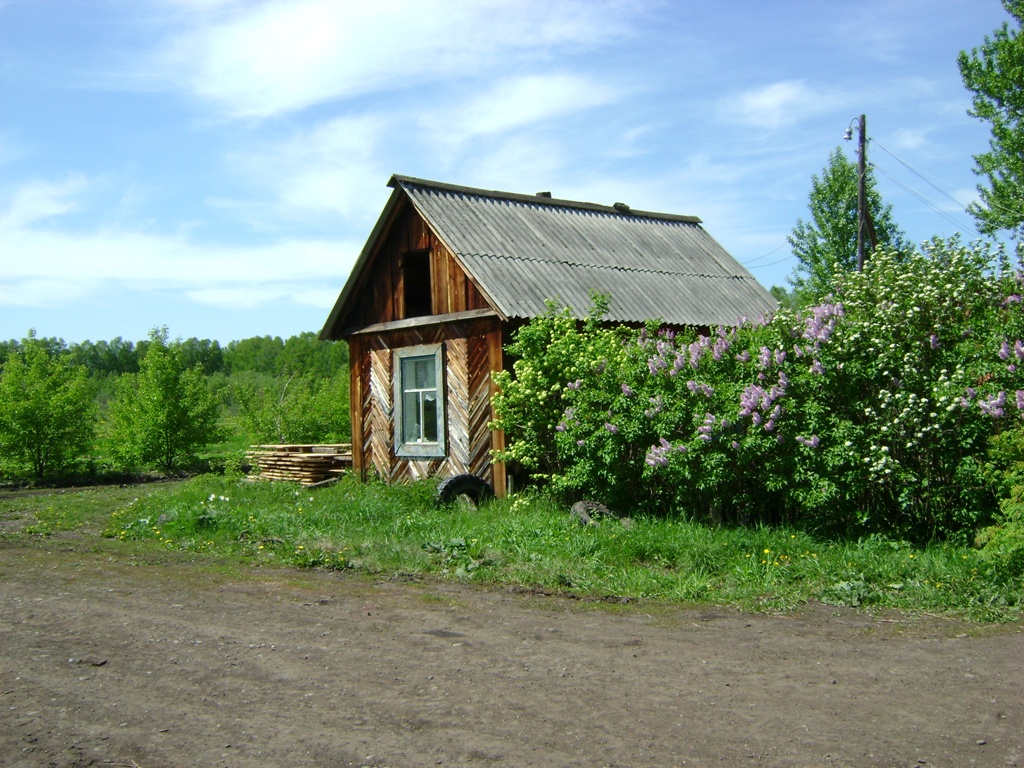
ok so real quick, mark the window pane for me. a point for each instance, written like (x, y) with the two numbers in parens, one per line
(408, 374)
(425, 378)
(430, 417)
(410, 417)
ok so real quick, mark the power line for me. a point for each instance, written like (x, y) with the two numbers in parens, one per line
(921, 198)
(763, 256)
(919, 175)
(930, 204)
(773, 263)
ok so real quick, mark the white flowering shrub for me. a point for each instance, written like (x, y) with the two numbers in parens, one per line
(870, 412)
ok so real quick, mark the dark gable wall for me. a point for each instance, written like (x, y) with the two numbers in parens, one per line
(381, 295)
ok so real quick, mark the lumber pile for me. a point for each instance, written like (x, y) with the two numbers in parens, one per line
(308, 465)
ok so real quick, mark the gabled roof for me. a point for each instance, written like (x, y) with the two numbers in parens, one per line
(522, 250)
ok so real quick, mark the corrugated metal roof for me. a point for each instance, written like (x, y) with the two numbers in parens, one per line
(523, 250)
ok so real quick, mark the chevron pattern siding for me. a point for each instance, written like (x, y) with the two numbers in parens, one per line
(479, 399)
(379, 412)
(457, 380)
(468, 358)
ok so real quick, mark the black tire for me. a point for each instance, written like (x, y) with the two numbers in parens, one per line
(472, 486)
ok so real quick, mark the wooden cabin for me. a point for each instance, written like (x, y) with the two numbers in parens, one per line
(447, 274)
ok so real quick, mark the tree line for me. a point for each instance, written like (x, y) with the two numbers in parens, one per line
(99, 408)
(270, 355)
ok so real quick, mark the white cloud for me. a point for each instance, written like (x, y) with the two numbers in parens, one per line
(317, 295)
(54, 268)
(43, 292)
(966, 196)
(135, 257)
(277, 57)
(327, 168)
(910, 138)
(513, 103)
(41, 200)
(775, 106)
(252, 296)
(516, 164)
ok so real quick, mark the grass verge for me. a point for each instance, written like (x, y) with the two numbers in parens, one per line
(527, 541)
(531, 542)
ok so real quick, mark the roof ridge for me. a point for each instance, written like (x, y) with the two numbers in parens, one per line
(549, 202)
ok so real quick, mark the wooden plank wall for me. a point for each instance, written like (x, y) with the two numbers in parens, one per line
(472, 349)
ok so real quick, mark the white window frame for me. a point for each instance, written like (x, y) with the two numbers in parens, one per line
(419, 448)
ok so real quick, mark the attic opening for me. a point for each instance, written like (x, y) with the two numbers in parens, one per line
(416, 283)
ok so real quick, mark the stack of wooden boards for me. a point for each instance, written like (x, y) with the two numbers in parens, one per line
(308, 465)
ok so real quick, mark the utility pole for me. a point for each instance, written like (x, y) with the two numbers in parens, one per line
(862, 195)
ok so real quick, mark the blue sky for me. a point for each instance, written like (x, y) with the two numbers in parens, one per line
(215, 166)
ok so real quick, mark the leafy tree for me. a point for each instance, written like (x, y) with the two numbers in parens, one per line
(204, 353)
(47, 409)
(300, 409)
(162, 414)
(111, 358)
(301, 355)
(259, 354)
(994, 73)
(306, 354)
(8, 348)
(826, 246)
(785, 296)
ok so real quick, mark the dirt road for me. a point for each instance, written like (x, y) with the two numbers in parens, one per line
(106, 660)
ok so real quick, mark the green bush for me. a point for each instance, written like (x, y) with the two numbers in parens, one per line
(1002, 546)
(869, 413)
(164, 413)
(299, 409)
(47, 411)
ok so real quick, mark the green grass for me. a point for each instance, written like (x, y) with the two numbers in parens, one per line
(527, 541)
(530, 541)
(48, 511)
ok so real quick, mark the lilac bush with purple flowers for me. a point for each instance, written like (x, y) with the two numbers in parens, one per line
(870, 412)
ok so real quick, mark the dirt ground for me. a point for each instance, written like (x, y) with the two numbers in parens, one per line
(113, 660)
